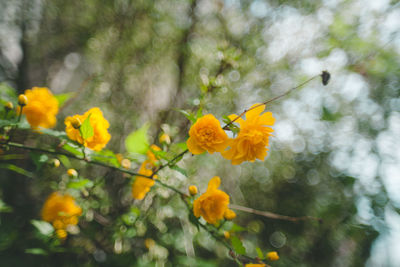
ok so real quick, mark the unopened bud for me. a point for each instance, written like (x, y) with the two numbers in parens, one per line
(229, 214)
(9, 106)
(72, 173)
(165, 138)
(227, 235)
(273, 256)
(76, 122)
(22, 100)
(126, 163)
(193, 190)
(55, 163)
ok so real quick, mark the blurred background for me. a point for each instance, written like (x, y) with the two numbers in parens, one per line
(335, 153)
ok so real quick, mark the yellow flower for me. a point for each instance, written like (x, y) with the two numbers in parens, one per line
(40, 108)
(213, 204)
(207, 135)
(142, 185)
(273, 256)
(254, 265)
(61, 211)
(151, 156)
(252, 141)
(100, 125)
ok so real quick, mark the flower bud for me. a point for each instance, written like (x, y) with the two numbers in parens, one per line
(229, 214)
(72, 173)
(193, 190)
(149, 243)
(76, 122)
(273, 256)
(22, 100)
(61, 234)
(55, 163)
(227, 235)
(9, 106)
(126, 164)
(165, 138)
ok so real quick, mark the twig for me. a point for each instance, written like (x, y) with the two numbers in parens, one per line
(226, 127)
(272, 215)
(54, 152)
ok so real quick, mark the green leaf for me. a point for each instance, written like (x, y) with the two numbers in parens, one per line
(199, 113)
(4, 207)
(137, 141)
(62, 98)
(36, 251)
(86, 129)
(237, 228)
(38, 159)
(190, 116)
(43, 227)
(7, 123)
(16, 169)
(238, 246)
(106, 156)
(260, 254)
(80, 184)
(54, 133)
(72, 148)
(179, 169)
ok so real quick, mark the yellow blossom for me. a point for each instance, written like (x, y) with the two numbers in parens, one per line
(193, 190)
(213, 204)
(252, 141)
(207, 135)
(255, 265)
(142, 185)
(150, 154)
(273, 256)
(61, 211)
(41, 107)
(100, 125)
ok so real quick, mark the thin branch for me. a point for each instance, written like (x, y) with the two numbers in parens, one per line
(55, 152)
(272, 215)
(226, 127)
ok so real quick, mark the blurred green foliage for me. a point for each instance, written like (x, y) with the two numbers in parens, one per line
(156, 66)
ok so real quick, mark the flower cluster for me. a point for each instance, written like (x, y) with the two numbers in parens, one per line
(61, 211)
(142, 185)
(99, 124)
(213, 204)
(250, 143)
(39, 106)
